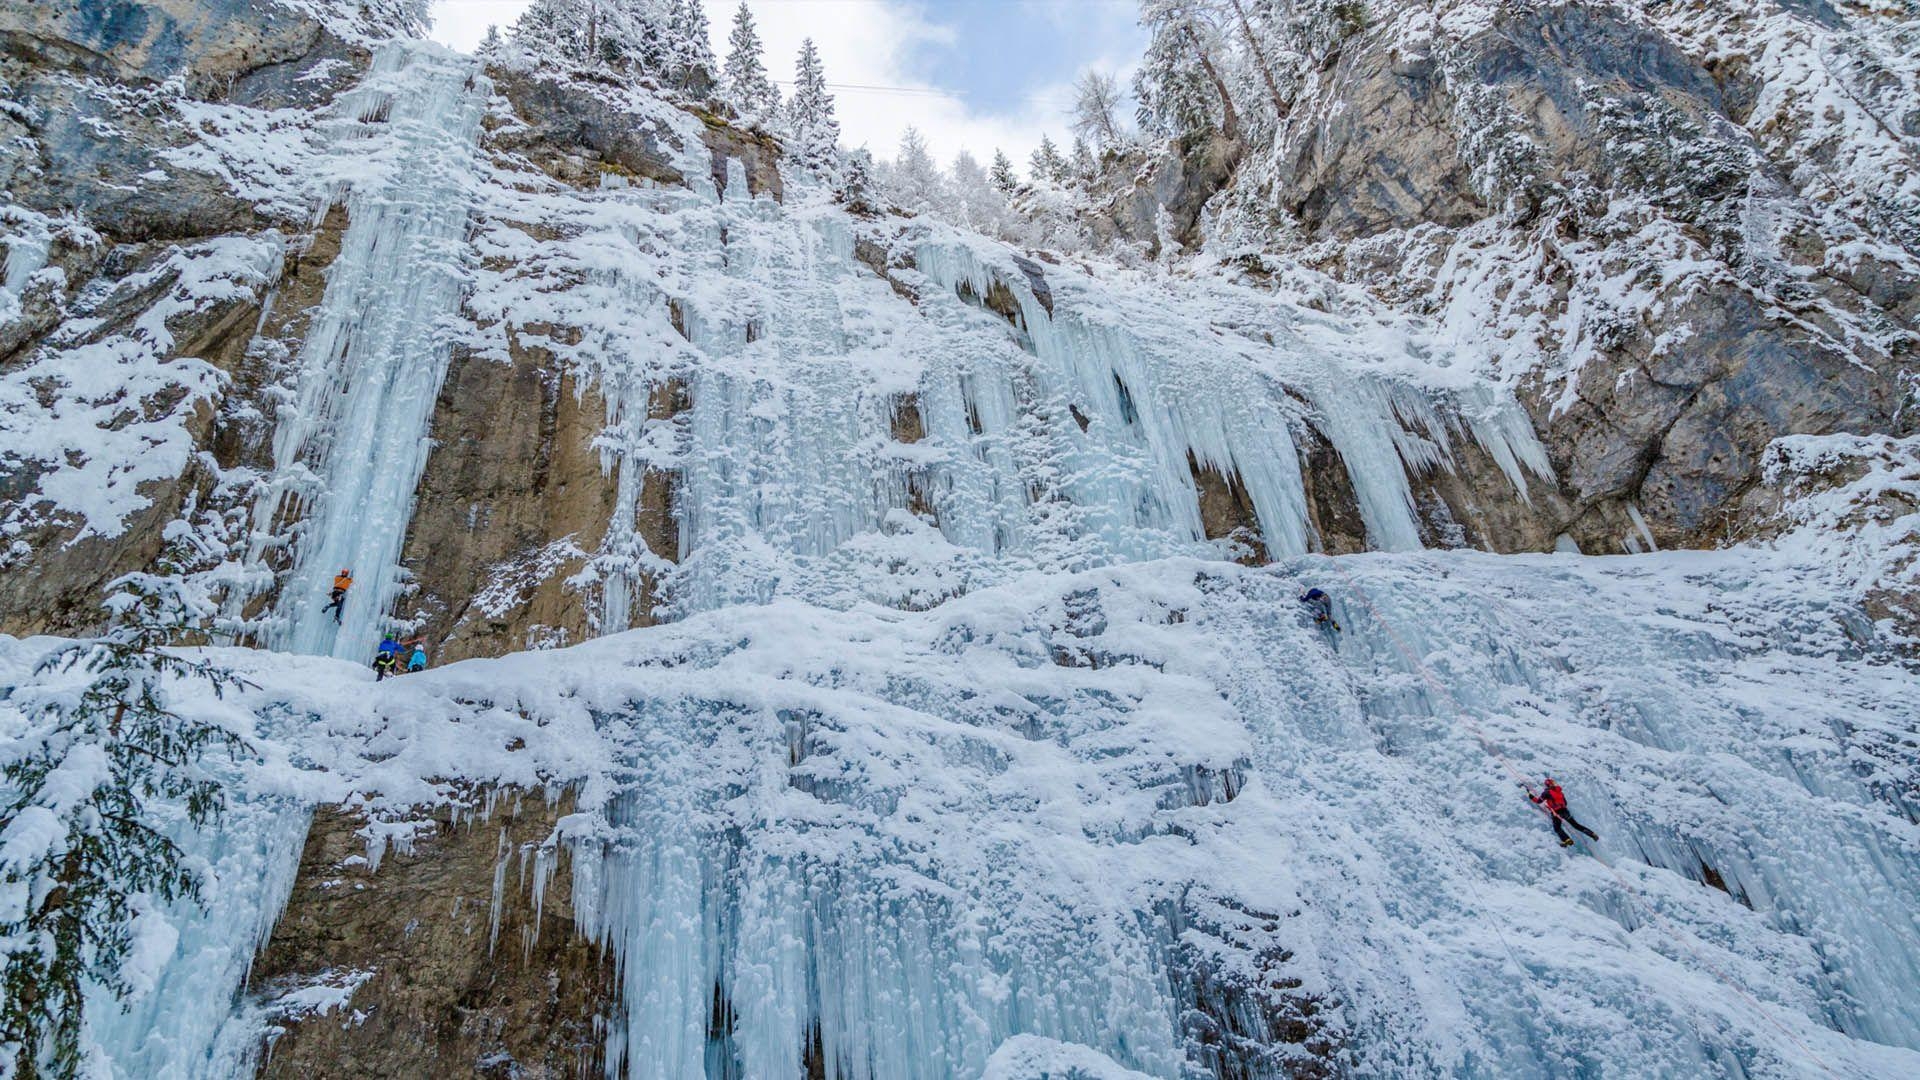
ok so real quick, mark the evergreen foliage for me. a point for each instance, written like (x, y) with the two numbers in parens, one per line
(1046, 164)
(913, 182)
(1083, 167)
(745, 84)
(1002, 175)
(856, 190)
(813, 131)
(692, 49)
(84, 844)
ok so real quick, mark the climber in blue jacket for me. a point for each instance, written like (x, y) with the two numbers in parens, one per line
(1322, 607)
(386, 659)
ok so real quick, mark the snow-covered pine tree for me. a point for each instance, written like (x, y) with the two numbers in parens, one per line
(563, 29)
(856, 190)
(1003, 176)
(745, 84)
(692, 50)
(1047, 164)
(1181, 86)
(83, 831)
(490, 45)
(972, 200)
(913, 181)
(1083, 167)
(813, 132)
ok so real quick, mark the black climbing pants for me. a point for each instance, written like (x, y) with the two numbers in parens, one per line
(1568, 818)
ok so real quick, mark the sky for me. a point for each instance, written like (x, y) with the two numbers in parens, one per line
(978, 75)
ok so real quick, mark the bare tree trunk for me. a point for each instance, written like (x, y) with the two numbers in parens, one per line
(1260, 60)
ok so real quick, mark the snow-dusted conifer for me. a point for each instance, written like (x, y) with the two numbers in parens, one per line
(856, 188)
(490, 45)
(561, 29)
(86, 846)
(814, 133)
(1180, 86)
(1047, 164)
(913, 181)
(1083, 167)
(745, 84)
(692, 49)
(1003, 176)
(972, 199)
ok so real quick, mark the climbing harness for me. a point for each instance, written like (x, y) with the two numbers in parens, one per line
(1493, 750)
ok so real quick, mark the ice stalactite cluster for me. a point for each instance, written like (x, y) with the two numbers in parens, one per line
(869, 842)
(1067, 439)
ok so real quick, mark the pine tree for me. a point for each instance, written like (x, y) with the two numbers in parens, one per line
(1084, 167)
(693, 64)
(558, 28)
(856, 188)
(1180, 86)
(746, 86)
(913, 182)
(1003, 176)
(490, 45)
(814, 138)
(80, 828)
(1047, 164)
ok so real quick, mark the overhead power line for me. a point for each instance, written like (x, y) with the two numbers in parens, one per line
(931, 91)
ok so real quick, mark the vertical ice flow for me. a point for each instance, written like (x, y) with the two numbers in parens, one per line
(348, 454)
(350, 450)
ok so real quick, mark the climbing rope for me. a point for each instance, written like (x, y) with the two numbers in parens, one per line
(1492, 749)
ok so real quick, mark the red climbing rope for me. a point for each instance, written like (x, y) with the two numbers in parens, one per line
(1492, 749)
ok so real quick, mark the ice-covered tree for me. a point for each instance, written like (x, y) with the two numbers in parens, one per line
(108, 751)
(745, 84)
(623, 35)
(1047, 164)
(813, 132)
(1002, 175)
(558, 28)
(490, 45)
(1083, 166)
(1096, 109)
(972, 200)
(913, 181)
(856, 190)
(1181, 87)
(692, 50)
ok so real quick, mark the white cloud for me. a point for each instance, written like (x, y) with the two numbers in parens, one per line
(874, 43)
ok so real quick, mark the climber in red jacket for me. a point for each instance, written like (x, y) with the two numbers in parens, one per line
(1555, 802)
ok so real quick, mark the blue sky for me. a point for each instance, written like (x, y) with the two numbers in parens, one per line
(987, 73)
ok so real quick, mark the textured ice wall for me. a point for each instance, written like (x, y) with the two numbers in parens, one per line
(880, 843)
(1058, 442)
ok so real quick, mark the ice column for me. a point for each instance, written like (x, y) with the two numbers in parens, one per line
(350, 449)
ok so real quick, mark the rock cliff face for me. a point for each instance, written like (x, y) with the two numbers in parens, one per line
(1680, 229)
(451, 958)
(121, 253)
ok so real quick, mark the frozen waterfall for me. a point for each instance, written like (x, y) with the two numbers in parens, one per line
(349, 450)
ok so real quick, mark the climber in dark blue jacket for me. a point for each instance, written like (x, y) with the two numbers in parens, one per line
(1322, 607)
